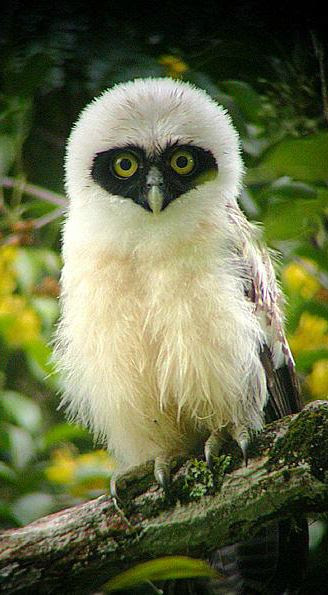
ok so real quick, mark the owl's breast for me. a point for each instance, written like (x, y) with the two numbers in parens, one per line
(164, 353)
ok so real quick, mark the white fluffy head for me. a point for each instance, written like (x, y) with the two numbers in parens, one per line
(150, 113)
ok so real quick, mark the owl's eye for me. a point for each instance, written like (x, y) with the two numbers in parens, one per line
(125, 165)
(182, 162)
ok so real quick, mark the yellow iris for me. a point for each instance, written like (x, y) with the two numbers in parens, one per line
(125, 165)
(182, 162)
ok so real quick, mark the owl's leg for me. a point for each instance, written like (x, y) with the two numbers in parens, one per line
(162, 471)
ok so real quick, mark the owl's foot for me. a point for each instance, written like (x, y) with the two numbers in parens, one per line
(213, 445)
(162, 472)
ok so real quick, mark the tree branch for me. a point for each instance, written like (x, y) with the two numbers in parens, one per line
(80, 548)
(36, 191)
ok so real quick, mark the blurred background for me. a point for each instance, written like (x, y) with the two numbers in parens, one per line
(270, 73)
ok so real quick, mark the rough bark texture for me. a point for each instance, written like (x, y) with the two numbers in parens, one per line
(76, 550)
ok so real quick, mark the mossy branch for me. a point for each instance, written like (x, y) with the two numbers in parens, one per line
(78, 549)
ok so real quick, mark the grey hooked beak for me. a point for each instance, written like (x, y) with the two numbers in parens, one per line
(155, 199)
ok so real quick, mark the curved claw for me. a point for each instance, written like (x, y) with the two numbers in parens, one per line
(242, 438)
(113, 487)
(212, 449)
(162, 472)
(244, 448)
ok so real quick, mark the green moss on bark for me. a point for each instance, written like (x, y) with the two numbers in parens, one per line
(305, 441)
(200, 481)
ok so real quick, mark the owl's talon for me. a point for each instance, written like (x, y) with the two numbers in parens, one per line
(242, 438)
(113, 486)
(244, 448)
(162, 472)
(212, 449)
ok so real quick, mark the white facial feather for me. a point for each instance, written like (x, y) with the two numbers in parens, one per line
(157, 343)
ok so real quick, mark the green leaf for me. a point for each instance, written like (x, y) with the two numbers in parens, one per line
(48, 310)
(32, 506)
(287, 220)
(31, 264)
(288, 189)
(21, 446)
(313, 253)
(21, 410)
(7, 518)
(304, 159)
(87, 474)
(296, 305)
(27, 269)
(7, 153)
(317, 532)
(65, 433)
(305, 359)
(168, 567)
(38, 356)
(248, 100)
(7, 474)
(4, 438)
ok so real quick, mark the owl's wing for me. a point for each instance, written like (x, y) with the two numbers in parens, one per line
(276, 357)
(262, 289)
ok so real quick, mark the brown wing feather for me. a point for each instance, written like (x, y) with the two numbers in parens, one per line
(283, 388)
(282, 383)
(263, 291)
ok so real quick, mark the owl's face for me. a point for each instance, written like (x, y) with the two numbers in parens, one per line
(153, 179)
(148, 163)
(152, 142)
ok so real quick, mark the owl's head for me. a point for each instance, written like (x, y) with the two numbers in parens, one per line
(145, 149)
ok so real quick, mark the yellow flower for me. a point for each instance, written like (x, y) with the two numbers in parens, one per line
(81, 473)
(7, 254)
(175, 67)
(100, 457)
(7, 275)
(299, 280)
(92, 473)
(63, 466)
(311, 333)
(317, 381)
(19, 322)
(24, 322)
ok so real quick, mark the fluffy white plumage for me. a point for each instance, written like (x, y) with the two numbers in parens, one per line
(158, 342)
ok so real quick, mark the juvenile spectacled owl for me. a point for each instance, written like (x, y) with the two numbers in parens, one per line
(171, 330)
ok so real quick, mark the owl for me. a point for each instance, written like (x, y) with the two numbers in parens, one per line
(171, 332)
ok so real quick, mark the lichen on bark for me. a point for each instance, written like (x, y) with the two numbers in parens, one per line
(306, 440)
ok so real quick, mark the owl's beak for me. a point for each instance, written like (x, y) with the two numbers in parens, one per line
(155, 199)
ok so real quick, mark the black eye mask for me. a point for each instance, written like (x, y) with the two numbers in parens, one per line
(123, 171)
